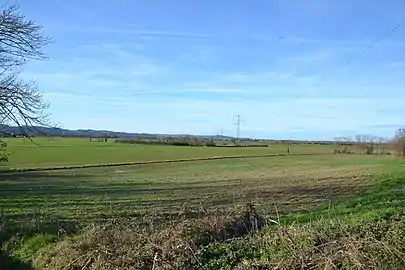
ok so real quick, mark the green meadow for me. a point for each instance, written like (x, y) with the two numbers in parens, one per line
(49, 152)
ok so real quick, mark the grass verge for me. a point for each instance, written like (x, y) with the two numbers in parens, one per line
(381, 201)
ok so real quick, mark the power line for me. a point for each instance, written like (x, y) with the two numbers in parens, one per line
(395, 50)
(237, 121)
(370, 46)
(364, 50)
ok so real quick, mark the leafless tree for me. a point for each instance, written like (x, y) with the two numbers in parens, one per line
(21, 40)
(400, 133)
(398, 142)
(367, 143)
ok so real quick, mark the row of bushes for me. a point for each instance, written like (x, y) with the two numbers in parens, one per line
(243, 145)
(366, 151)
(187, 142)
(170, 141)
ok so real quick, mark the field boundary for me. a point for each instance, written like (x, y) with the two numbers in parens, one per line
(69, 167)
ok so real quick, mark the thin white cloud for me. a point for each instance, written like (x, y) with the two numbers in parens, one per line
(143, 33)
(266, 77)
(316, 57)
(395, 64)
(131, 29)
(318, 5)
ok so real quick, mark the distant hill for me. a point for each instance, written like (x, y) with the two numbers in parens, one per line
(7, 130)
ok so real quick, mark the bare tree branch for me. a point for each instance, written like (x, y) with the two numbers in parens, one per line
(21, 104)
(21, 40)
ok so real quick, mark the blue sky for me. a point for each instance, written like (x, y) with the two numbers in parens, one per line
(190, 66)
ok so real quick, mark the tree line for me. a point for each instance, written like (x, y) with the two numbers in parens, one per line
(370, 144)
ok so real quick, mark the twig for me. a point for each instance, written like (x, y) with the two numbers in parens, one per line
(154, 261)
(87, 263)
(278, 216)
(78, 258)
(193, 253)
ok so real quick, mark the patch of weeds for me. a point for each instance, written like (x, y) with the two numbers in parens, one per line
(27, 249)
(225, 256)
(321, 245)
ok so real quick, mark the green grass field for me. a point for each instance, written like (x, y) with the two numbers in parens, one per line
(291, 183)
(49, 152)
(41, 211)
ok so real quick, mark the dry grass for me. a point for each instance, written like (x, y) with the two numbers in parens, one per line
(331, 245)
(210, 243)
(122, 246)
